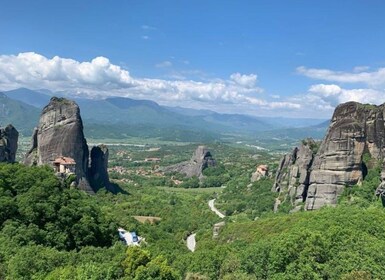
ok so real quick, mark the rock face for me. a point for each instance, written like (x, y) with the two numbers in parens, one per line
(200, 160)
(355, 129)
(262, 171)
(60, 133)
(8, 143)
(292, 177)
(98, 174)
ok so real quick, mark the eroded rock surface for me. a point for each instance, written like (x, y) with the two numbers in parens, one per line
(292, 177)
(355, 130)
(60, 134)
(8, 143)
(200, 160)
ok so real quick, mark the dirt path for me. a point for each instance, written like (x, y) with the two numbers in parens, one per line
(215, 210)
(191, 243)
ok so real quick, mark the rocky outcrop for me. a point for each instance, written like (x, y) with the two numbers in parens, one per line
(355, 130)
(200, 160)
(261, 172)
(292, 177)
(8, 143)
(60, 134)
(98, 174)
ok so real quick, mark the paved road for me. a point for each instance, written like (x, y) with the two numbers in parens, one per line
(212, 207)
(191, 243)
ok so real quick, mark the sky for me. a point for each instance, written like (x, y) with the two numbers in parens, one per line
(265, 58)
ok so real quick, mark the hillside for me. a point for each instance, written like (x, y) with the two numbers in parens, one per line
(118, 117)
(21, 115)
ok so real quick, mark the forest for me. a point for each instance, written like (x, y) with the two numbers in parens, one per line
(50, 230)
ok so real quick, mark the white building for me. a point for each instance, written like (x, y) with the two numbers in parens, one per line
(130, 238)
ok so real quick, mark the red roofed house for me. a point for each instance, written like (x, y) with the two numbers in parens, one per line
(64, 165)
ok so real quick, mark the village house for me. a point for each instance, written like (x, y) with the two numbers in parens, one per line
(64, 165)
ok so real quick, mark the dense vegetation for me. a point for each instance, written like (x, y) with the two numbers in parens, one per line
(49, 230)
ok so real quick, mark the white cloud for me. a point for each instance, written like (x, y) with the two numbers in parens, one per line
(358, 69)
(100, 78)
(359, 75)
(145, 37)
(326, 90)
(164, 64)
(248, 81)
(34, 70)
(326, 97)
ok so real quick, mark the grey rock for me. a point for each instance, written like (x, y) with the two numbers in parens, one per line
(200, 160)
(262, 171)
(8, 143)
(217, 229)
(98, 173)
(355, 130)
(292, 178)
(60, 133)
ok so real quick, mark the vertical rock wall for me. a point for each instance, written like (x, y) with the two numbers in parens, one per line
(60, 133)
(355, 129)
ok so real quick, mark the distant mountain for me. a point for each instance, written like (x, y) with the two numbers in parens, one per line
(127, 103)
(272, 122)
(31, 97)
(315, 131)
(22, 116)
(125, 116)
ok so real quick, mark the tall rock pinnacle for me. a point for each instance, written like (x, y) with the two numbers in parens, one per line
(60, 133)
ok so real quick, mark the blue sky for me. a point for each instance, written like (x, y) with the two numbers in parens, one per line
(285, 58)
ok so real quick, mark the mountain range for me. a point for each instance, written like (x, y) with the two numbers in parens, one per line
(118, 117)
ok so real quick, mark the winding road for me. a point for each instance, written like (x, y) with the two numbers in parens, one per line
(191, 242)
(215, 210)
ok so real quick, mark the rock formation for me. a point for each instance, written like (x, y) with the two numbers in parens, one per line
(355, 129)
(98, 174)
(292, 177)
(200, 160)
(262, 171)
(8, 143)
(60, 134)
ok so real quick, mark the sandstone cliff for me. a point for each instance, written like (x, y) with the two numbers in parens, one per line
(200, 160)
(60, 134)
(8, 143)
(355, 129)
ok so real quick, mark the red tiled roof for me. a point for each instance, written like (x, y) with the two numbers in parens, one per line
(64, 161)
